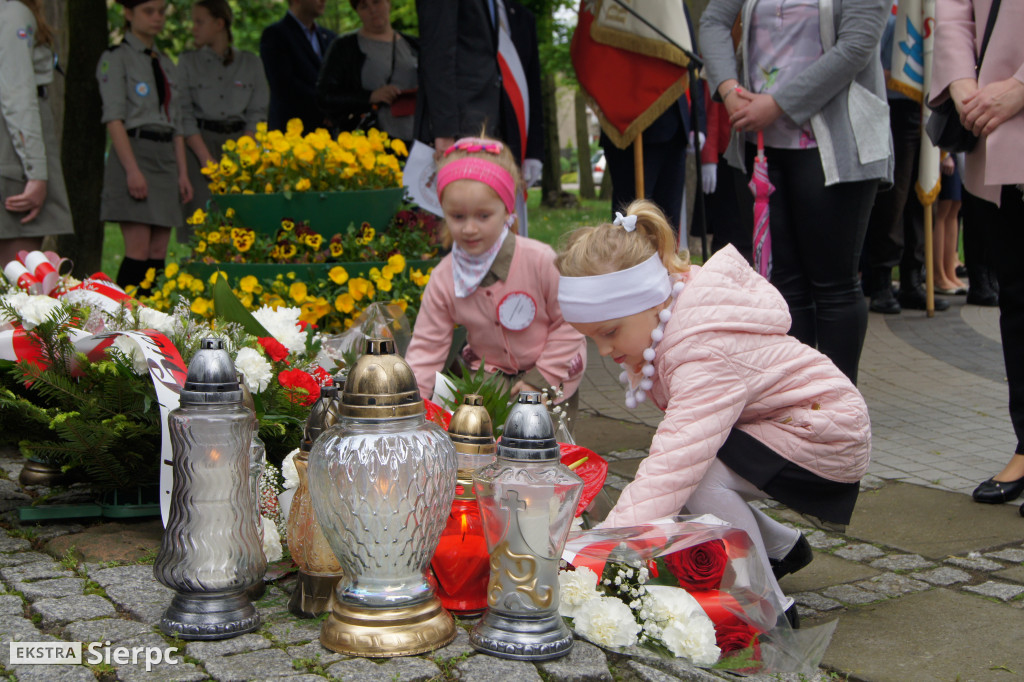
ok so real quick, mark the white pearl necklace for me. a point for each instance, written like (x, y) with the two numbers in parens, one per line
(635, 396)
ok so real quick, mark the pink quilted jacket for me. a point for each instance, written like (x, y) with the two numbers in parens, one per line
(726, 361)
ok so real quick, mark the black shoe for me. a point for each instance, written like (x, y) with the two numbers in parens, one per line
(884, 302)
(797, 558)
(997, 492)
(793, 617)
(985, 297)
(913, 298)
(1022, 510)
(961, 271)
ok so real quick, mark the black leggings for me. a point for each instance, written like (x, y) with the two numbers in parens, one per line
(817, 234)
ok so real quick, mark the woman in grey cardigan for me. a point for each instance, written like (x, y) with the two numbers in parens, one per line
(808, 76)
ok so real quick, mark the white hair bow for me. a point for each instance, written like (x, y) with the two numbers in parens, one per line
(628, 222)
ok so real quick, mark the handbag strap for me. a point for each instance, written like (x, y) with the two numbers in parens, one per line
(988, 31)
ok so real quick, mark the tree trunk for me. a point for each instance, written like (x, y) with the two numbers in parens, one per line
(551, 181)
(586, 174)
(84, 138)
(606, 185)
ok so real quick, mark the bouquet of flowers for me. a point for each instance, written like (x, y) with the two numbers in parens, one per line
(293, 162)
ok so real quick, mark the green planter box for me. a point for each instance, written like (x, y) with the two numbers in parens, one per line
(326, 212)
(306, 272)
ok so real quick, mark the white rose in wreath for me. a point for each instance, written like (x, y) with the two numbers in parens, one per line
(607, 622)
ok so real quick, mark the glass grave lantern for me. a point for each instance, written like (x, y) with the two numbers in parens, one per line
(461, 563)
(527, 500)
(382, 481)
(211, 553)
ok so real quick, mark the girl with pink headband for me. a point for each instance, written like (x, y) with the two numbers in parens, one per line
(501, 287)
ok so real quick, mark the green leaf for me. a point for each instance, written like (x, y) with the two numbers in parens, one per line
(231, 309)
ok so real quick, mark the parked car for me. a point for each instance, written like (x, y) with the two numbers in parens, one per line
(597, 164)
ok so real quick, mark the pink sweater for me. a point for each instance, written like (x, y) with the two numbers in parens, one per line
(557, 350)
(726, 360)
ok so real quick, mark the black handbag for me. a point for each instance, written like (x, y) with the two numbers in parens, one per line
(944, 127)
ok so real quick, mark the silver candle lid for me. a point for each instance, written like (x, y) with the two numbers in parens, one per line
(529, 434)
(211, 377)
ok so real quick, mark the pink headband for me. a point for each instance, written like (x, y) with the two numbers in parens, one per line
(479, 169)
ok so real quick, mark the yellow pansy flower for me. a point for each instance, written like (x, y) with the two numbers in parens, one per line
(250, 284)
(399, 147)
(314, 240)
(198, 218)
(200, 306)
(419, 278)
(397, 261)
(219, 274)
(294, 127)
(336, 250)
(201, 246)
(298, 291)
(287, 224)
(338, 274)
(303, 152)
(344, 303)
(213, 237)
(302, 185)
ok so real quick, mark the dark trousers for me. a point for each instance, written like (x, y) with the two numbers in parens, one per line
(895, 233)
(664, 175)
(1005, 226)
(730, 212)
(980, 219)
(817, 235)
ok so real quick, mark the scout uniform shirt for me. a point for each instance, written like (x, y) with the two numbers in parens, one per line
(23, 67)
(129, 92)
(222, 94)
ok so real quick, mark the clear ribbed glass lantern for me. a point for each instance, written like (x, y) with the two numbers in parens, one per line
(210, 552)
(527, 501)
(382, 482)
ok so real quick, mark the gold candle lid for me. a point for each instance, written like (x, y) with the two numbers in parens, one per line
(471, 429)
(381, 385)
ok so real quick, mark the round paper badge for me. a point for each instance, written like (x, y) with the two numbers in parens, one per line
(142, 89)
(517, 310)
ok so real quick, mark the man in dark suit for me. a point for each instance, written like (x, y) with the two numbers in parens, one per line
(292, 50)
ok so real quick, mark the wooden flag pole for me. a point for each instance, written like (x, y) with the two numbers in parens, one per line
(929, 260)
(638, 165)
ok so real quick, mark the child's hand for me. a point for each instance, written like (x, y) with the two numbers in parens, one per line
(521, 386)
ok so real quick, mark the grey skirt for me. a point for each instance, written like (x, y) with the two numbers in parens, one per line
(162, 205)
(55, 216)
(200, 183)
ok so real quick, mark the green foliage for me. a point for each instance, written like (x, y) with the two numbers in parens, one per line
(493, 388)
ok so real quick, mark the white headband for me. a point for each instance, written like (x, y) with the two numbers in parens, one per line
(616, 294)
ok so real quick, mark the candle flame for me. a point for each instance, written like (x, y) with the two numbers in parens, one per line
(465, 526)
(214, 455)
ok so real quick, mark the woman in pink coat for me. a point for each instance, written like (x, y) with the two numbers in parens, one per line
(991, 104)
(750, 412)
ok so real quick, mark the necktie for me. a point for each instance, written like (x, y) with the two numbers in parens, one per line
(163, 88)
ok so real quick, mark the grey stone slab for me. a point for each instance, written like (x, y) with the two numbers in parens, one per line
(11, 605)
(354, 670)
(1014, 555)
(398, 669)
(266, 664)
(490, 669)
(585, 663)
(677, 668)
(825, 571)
(315, 651)
(50, 589)
(9, 544)
(68, 609)
(850, 594)
(974, 563)
(459, 646)
(39, 570)
(943, 576)
(295, 631)
(53, 673)
(859, 552)
(305, 677)
(1014, 574)
(644, 673)
(820, 540)
(926, 636)
(17, 628)
(148, 613)
(871, 482)
(105, 629)
(998, 590)
(50, 532)
(164, 672)
(902, 562)
(815, 601)
(202, 651)
(893, 585)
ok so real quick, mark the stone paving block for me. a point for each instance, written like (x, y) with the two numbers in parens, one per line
(484, 668)
(104, 629)
(164, 672)
(678, 668)
(35, 636)
(643, 673)
(974, 563)
(202, 651)
(9, 544)
(354, 670)
(11, 605)
(266, 664)
(871, 482)
(17, 628)
(1013, 574)
(816, 601)
(295, 631)
(850, 594)
(50, 589)
(307, 677)
(315, 651)
(893, 585)
(943, 575)
(53, 673)
(585, 663)
(1014, 555)
(860, 552)
(992, 588)
(68, 609)
(56, 530)
(819, 540)
(902, 562)
(148, 613)
(825, 571)
(459, 646)
(39, 570)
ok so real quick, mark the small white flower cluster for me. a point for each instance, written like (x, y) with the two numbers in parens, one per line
(622, 611)
(549, 396)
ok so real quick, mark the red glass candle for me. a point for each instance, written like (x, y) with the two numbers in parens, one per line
(461, 563)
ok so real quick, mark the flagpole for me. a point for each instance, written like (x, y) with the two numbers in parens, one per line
(929, 260)
(638, 165)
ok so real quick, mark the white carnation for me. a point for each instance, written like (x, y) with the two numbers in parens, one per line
(271, 540)
(575, 588)
(607, 622)
(692, 637)
(288, 470)
(130, 348)
(256, 369)
(36, 309)
(283, 325)
(664, 603)
(16, 300)
(154, 319)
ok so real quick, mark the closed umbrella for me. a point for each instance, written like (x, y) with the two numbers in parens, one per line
(762, 188)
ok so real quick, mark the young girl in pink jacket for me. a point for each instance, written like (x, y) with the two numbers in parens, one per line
(501, 287)
(750, 412)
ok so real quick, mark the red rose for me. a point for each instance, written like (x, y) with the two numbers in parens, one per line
(275, 349)
(700, 567)
(295, 381)
(734, 634)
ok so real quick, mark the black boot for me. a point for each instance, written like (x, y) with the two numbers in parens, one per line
(131, 272)
(877, 283)
(982, 289)
(912, 295)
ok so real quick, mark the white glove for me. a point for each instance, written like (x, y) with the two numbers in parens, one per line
(689, 146)
(532, 169)
(709, 177)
